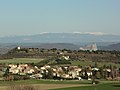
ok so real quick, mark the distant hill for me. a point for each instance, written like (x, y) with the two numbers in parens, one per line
(112, 47)
(51, 45)
(58, 46)
(4, 48)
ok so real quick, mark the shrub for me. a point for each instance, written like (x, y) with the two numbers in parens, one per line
(95, 82)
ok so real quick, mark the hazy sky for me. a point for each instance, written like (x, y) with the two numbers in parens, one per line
(24, 17)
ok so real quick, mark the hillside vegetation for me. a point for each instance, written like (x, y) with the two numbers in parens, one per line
(74, 55)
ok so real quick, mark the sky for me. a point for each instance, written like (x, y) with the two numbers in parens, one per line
(28, 17)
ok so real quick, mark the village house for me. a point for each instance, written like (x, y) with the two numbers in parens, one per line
(21, 69)
(74, 71)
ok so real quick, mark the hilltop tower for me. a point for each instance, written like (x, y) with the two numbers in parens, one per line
(92, 47)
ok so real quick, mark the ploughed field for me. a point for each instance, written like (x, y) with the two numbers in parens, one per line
(43, 84)
(46, 86)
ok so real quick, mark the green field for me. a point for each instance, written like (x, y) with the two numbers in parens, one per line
(21, 60)
(36, 60)
(86, 63)
(102, 86)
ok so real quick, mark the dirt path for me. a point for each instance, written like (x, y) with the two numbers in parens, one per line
(50, 86)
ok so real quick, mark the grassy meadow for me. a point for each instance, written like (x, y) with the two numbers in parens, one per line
(86, 63)
(103, 86)
(21, 60)
(36, 60)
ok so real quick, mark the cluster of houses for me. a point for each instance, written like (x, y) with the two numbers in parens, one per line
(67, 72)
(58, 72)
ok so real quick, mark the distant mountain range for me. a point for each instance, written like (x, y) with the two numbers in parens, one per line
(71, 41)
(61, 38)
